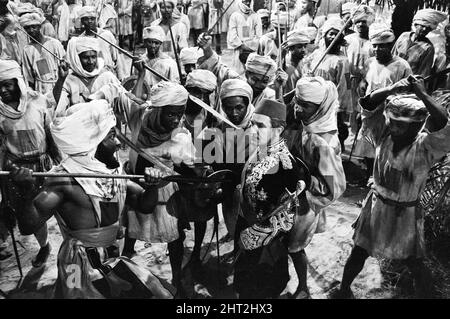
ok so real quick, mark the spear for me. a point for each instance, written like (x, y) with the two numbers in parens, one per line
(170, 178)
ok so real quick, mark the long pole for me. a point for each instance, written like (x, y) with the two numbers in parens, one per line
(335, 40)
(172, 178)
(128, 54)
(280, 90)
(175, 52)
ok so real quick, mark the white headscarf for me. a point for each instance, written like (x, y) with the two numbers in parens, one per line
(237, 87)
(79, 45)
(319, 91)
(429, 17)
(10, 69)
(202, 79)
(78, 135)
(190, 55)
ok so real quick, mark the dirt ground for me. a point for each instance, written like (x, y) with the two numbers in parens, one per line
(327, 254)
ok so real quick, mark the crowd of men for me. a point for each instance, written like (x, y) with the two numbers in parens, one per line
(263, 136)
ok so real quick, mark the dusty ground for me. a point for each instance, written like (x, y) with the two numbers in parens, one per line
(327, 254)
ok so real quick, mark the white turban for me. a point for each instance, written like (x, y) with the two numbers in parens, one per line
(323, 93)
(283, 19)
(261, 64)
(168, 93)
(87, 11)
(190, 55)
(31, 19)
(332, 23)
(202, 79)
(363, 13)
(299, 36)
(154, 32)
(10, 69)
(79, 45)
(84, 127)
(381, 33)
(235, 87)
(263, 13)
(310, 89)
(429, 18)
(238, 87)
(406, 108)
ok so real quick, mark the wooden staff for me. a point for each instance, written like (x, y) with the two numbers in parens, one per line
(174, 45)
(128, 54)
(171, 178)
(335, 40)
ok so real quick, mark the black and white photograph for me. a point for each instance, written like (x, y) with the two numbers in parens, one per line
(225, 154)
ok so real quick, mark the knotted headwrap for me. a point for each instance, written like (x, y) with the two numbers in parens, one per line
(190, 55)
(31, 19)
(406, 108)
(282, 19)
(202, 79)
(324, 93)
(332, 23)
(263, 13)
(10, 69)
(237, 87)
(84, 127)
(381, 33)
(162, 94)
(168, 93)
(260, 64)
(363, 13)
(86, 12)
(244, 8)
(78, 135)
(154, 32)
(299, 36)
(429, 18)
(79, 45)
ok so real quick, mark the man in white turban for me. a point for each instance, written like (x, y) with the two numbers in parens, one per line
(264, 15)
(40, 68)
(335, 67)
(358, 50)
(414, 46)
(189, 58)
(162, 63)
(179, 30)
(390, 224)
(157, 131)
(382, 70)
(261, 71)
(244, 31)
(87, 74)
(316, 104)
(111, 56)
(296, 44)
(89, 229)
(24, 131)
